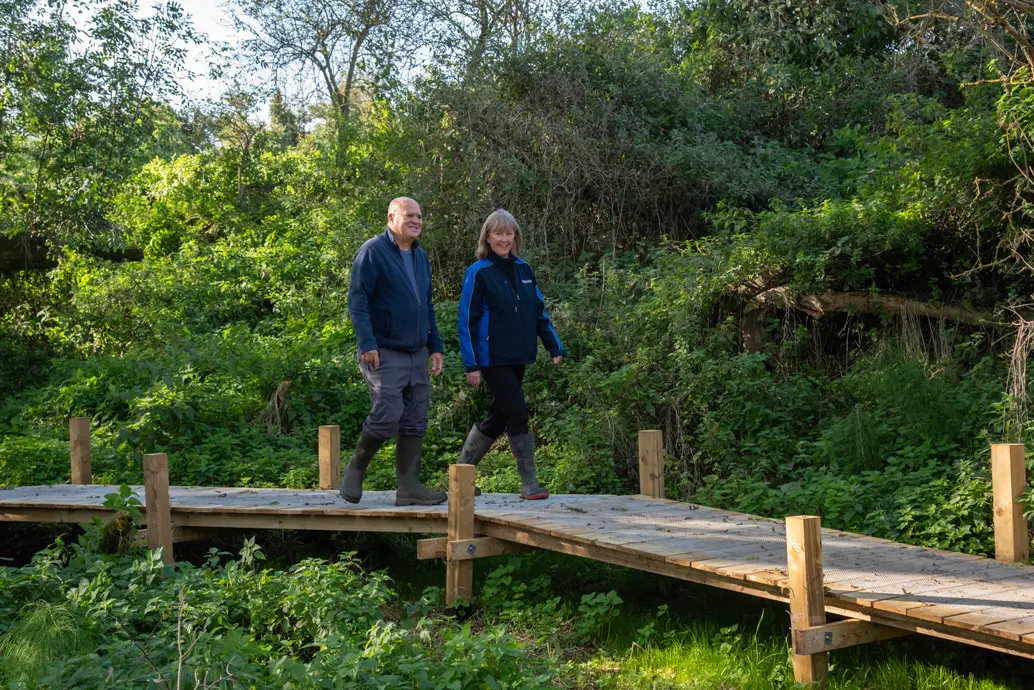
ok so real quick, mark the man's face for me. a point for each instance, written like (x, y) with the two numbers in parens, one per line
(406, 220)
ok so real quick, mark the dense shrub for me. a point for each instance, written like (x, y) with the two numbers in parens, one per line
(131, 621)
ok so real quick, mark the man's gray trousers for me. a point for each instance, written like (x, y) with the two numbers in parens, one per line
(399, 393)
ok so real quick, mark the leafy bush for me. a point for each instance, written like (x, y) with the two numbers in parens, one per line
(132, 621)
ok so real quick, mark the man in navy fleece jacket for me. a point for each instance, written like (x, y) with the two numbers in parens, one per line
(389, 300)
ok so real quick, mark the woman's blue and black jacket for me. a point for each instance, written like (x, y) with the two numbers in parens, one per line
(502, 313)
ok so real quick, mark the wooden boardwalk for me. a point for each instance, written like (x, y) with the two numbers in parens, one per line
(880, 588)
(955, 596)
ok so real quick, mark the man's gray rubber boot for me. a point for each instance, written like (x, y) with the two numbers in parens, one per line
(474, 449)
(352, 476)
(407, 468)
(523, 447)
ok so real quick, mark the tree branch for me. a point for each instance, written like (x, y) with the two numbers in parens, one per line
(819, 305)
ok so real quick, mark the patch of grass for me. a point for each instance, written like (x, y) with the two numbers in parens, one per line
(43, 633)
(672, 634)
(699, 652)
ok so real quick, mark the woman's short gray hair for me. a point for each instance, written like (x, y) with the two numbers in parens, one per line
(497, 220)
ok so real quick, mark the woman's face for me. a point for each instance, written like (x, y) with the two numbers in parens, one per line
(500, 241)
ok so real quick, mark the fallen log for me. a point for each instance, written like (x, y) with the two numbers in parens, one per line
(819, 305)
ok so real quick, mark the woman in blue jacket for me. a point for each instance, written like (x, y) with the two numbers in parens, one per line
(502, 317)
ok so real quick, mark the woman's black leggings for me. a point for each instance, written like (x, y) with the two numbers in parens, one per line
(509, 411)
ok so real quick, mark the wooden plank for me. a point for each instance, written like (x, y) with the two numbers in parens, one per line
(656, 548)
(427, 549)
(183, 534)
(1013, 629)
(711, 549)
(651, 463)
(180, 535)
(947, 610)
(693, 546)
(156, 491)
(459, 575)
(327, 523)
(603, 554)
(1008, 479)
(984, 621)
(481, 547)
(340, 512)
(58, 515)
(840, 635)
(330, 456)
(742, 572)
(722, 562)
(221, 500)
(79, 443)
(770, 578)
(875, 585)
(807, 607)
(962, 591)
(972, 638)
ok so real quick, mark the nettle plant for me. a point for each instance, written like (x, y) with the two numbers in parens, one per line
(132, 621)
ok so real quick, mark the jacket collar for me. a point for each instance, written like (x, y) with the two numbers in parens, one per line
(505, 262)
(391, 238)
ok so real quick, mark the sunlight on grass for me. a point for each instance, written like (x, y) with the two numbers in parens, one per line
(703, 656)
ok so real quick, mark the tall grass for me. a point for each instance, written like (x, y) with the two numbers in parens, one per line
(44, 633)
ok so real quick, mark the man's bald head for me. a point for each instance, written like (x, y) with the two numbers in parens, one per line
(400, 202)
(405, 220)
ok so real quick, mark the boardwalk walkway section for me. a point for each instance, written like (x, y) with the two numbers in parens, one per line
(883, 589)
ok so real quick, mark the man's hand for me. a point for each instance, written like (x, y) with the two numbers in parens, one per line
(474, 378)
(436, 363)
(372, 357)
(556, 360)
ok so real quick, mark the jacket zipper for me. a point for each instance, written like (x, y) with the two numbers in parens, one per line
(516, 292)
(416, 293)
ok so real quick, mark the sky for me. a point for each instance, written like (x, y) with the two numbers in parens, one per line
(210, 18)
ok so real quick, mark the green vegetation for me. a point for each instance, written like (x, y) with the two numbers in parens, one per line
(795, 237)
(231, 621)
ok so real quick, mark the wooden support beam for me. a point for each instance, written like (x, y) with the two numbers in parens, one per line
(182, 534)
(156, 504)
(651, 463)
(1008, 477)
(328, 522)
(330, 457)
(466, 549)
(807, 608)
(481, 547)
(79, 443)
(428, 549)
(842, 634)
(459, 576)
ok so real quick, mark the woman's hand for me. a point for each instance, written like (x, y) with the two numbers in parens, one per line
(474, 378)
(556, 360)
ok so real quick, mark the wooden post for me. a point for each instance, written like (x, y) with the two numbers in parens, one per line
(79, 442)
(156, 504)
(459, 575)
(651, 463)
(1008, 477)
(330, 457)
(804, 566)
